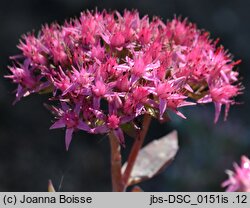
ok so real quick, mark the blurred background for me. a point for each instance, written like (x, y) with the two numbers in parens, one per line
(31, 154)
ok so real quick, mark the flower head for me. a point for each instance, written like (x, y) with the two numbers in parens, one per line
(106, 68)
(239, 180)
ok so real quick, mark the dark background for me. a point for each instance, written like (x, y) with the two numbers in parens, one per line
(30, 153)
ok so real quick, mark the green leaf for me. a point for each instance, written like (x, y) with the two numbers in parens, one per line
(151, 111)
(130, 129)
(154, 158)
(47, 90)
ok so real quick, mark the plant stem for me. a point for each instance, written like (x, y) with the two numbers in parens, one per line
(136, 148)
(116, 164)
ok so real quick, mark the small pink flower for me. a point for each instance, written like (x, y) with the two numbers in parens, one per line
(98, 52)
(123, 83)
(33, 49)
(117, 40)
(62, 81)
(240, 179)
(22, 75)
(113, 122)
(145, 35)
(55, 43)
(174, 104)
(221, 94)
(70, 119)
(140, 95)
(79, 82)
(99, 89)
(139, 67)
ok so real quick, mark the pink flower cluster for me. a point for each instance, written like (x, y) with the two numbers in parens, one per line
(240, 179)
(106, 68)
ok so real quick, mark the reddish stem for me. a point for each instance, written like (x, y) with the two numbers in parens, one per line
(135, 149)
(116, 164)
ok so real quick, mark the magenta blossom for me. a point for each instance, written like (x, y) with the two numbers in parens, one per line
(106, 68)
(70, 119)
(239, 180)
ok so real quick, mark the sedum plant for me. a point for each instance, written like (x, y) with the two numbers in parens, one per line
(104, 71)
(239, 179)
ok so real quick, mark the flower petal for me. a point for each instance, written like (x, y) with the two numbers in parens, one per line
(68, 137)
(120, 136)
(100, 129)
(83, 126)
(217, 111)
(58, 124)
(162, 106)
